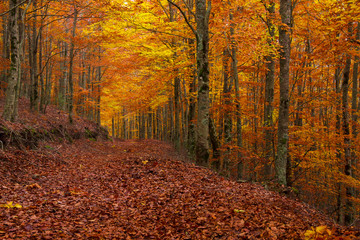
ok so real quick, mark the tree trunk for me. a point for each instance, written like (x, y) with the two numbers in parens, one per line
(235, 75)
(43, 93)
(10, 112)
(21, 50)
(71, 67)
(192, 112)
(63, 78)
(355, 105)
(176, 137)
(227, 112)
(215, 143)
(283, 124)
(113, 126)
(202, 49)
(346, 132)
(337, 79)
(33, 55)
(269, 90)
(6, 47)
(98, 96)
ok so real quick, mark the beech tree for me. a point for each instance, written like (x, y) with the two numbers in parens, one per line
(269, 84)
(203, 9)
(283, 125)
(10, 108)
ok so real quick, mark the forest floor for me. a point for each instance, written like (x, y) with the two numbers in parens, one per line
(87, 189)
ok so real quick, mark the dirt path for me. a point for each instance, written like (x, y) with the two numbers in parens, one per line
(136, 190)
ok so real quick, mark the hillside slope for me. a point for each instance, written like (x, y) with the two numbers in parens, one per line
(32, 128)
(86, 189)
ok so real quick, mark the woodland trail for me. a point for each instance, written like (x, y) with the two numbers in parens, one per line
(136, 190)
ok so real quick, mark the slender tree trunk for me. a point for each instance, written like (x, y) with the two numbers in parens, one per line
(184, 113)
(192, 113)
(177, 112)
(340, 204)
(154, 124)
(170, 118)
(227, 112)
(354, 108)
(159, 134)
(354, 102)
(215, 143)
(269, 89)
(11, 91)
(150, 124)
(113, 126)
(6, 47)
(21, 50)
(175, 125)
(283, 124)
(346, 132)
(33, 43)
(43, 93)
(63, 78)
(98, 96)
(42, 83)
(235, 76)
(71, 67)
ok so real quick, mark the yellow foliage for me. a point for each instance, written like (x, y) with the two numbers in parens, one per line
(320, 232)
(10, 205)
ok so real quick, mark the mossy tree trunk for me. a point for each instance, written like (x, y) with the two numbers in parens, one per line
(10, 108)
(202, 50)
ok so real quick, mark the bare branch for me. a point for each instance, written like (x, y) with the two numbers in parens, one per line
(186, 19)
(208, 10)
(6, 12)
(167, 15)
(189, 8)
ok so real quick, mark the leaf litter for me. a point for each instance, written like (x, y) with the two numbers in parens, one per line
(138, 190)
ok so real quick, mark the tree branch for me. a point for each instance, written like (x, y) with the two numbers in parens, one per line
(186, 19)
(167, 15)
(189, 8)
(208, 10)
(6, 12)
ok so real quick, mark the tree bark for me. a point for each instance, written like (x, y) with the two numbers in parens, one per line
(354, 102)
(176, 137)
(10, 107)
(192, 110)
(98, 95)
(63, 78)
(269, 89)
(337, 79)
(215, 143)
(33, 60)
(71, 67)
(283, 124)
(5, 47)
(227, 112)
(202, 49)
(235, 76)
(346, 132)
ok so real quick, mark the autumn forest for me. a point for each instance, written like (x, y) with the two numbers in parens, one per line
(260, 91)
